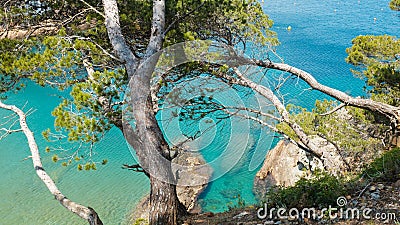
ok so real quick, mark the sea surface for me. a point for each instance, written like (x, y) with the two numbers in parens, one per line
(321, 31)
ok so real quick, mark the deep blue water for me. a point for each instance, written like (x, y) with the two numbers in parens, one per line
(321, 31)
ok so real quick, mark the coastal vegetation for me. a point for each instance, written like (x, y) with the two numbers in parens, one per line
(323, 189)
(95, 51)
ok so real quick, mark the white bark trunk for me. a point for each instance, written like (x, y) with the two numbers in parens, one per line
(86, 213)
(391, 112)
(157, 28)
(268, 94)
(117, 40)
(146, 137)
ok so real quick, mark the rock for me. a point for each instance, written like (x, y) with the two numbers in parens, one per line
(47, 29)
(396, 141)
(209, 214)
(193, 175)
(240, 215)
(372, 188)
(375, 196)
(278, 168)
(285, 164)
(396, 184)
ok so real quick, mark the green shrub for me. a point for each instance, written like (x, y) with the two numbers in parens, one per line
(140, 221)
(320, 191)
(386, 167)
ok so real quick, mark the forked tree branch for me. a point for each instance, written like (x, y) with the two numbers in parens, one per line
(268, 94)
(273, 128)
(84, 212)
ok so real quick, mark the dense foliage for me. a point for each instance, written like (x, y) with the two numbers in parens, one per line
(386, 167)
(77, 57)
(352, 130)
(320, 191)
(395, 5)
(378, 57)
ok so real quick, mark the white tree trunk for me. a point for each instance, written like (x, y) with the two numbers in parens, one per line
(86, 213)
(389, 111)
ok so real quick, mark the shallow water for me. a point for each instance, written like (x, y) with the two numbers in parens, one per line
(321, 31)
(113, 192)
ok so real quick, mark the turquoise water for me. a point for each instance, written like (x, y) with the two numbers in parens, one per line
(113, 192)
(321, 31)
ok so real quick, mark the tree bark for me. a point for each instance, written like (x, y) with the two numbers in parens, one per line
(145, 135)
(389, 111)
(268, 94)
(117, 40)
(86, 213)
(152, 149)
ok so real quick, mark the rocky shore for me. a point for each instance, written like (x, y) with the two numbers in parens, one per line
(285, 164)
(379, 197)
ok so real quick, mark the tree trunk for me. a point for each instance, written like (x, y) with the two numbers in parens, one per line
(86, 213)
(153, 152)
(143, 132)
(163, 202)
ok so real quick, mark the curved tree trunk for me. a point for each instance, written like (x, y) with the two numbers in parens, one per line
(154, 156)
(146, 136)
(86, 213)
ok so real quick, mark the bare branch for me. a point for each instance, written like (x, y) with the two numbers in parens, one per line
(333, 110)
(134, 167)
(391, 112)
(95, 43)
(267, 93)
(93, 8)
(10, 131)
(86, 213)
(273, 128)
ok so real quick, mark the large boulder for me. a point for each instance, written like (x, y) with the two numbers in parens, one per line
(192, 174)
(285, 164)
